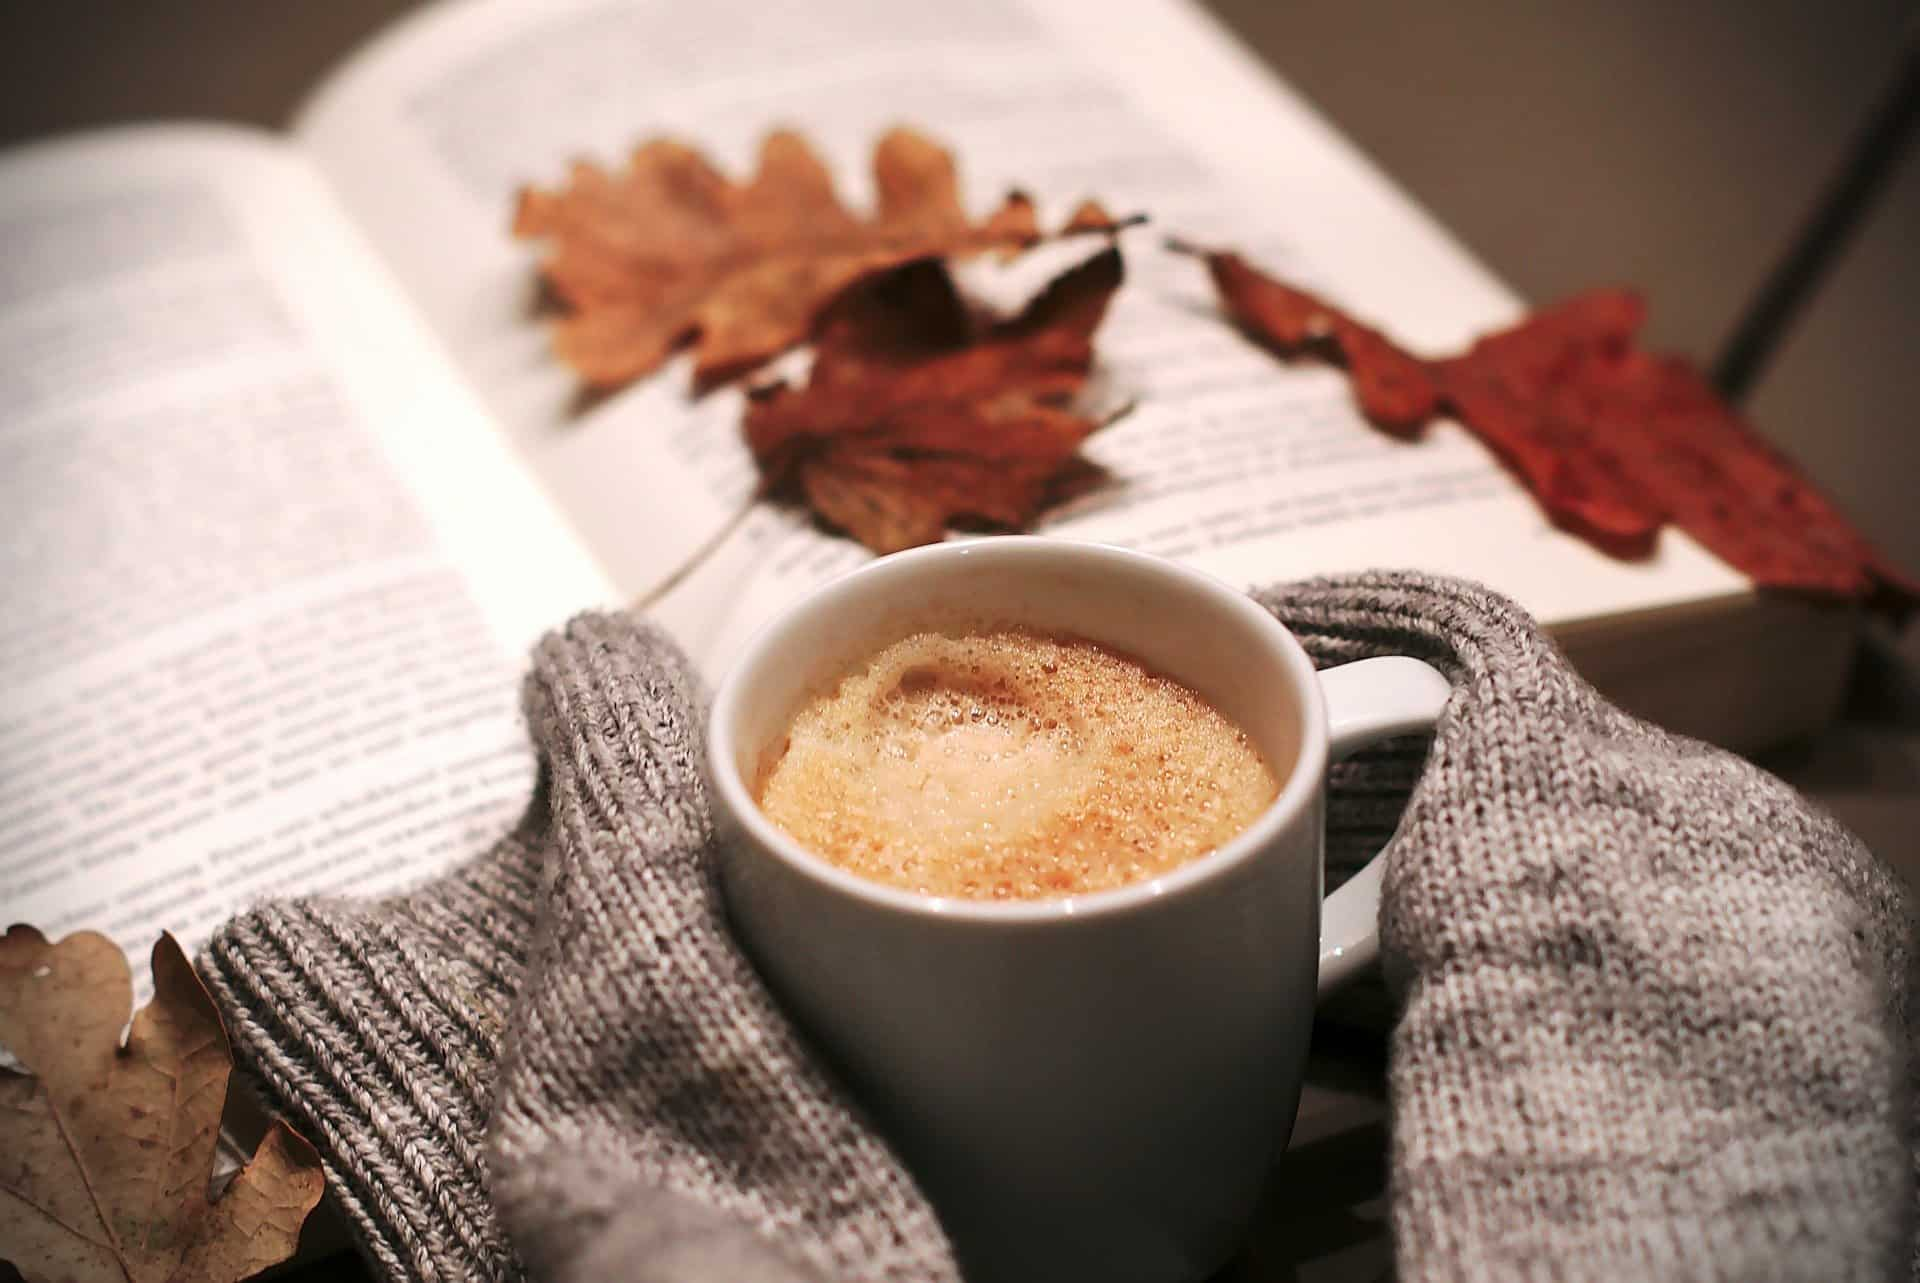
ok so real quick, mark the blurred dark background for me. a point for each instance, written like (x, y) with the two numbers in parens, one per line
(1681, 148)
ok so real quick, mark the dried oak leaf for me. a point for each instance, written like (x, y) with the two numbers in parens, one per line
(916, 414)
(1614, 442)
(106, 1150)
(669, 251)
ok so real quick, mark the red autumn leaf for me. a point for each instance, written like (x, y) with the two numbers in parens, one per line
(1524, 392)
(1716, 478)
(669, 251)
(915, 414)
(1394, 389)
(1614, 442)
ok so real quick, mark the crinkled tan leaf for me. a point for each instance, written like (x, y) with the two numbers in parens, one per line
(109, 1148)
(256, 1223)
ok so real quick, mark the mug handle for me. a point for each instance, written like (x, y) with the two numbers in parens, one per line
(1367, 701)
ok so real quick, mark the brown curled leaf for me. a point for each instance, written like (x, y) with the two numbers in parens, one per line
(916, 415)
(106, 1150)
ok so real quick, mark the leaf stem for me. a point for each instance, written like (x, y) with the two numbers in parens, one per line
(699, 555)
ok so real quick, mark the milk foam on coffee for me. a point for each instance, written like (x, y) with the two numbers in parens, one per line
(1002, 764)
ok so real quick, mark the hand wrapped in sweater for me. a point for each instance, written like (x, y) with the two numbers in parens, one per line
(1656, 1016)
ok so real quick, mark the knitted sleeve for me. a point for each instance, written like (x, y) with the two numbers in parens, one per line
(1656, 1018)
(554, 1062)
(1656, 1008)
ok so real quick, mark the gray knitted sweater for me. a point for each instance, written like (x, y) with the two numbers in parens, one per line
(1656, 1022)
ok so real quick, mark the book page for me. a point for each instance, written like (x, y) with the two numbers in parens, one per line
(1232, 461)
(248, 650)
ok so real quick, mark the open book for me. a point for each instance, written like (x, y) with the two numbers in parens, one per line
(292, 480)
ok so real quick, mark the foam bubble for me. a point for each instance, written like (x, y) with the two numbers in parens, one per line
(1002, 764)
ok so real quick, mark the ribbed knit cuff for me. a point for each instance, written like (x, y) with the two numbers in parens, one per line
(374, 1026)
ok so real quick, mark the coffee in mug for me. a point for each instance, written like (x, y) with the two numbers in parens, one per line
(1086, 1086)
(997, 763)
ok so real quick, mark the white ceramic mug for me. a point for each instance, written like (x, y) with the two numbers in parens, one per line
(1089, 1087)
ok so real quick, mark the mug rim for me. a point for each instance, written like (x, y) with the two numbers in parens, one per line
(1296, 792)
